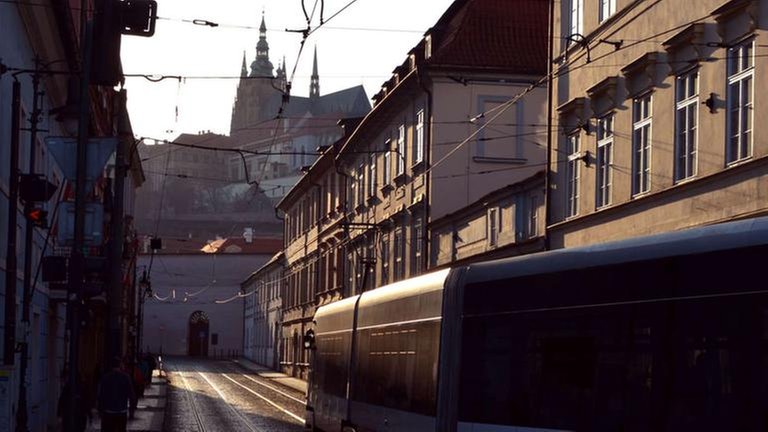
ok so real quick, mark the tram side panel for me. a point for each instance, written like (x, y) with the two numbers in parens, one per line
(665, 344)
(396, 358)
(329, 379)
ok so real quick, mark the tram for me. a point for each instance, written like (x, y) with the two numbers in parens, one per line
(660, 333)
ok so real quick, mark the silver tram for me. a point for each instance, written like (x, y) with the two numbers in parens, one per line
(660, 333)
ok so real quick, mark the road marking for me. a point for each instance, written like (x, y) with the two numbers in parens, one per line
(301, 401)
(294, 416)
(223, 398)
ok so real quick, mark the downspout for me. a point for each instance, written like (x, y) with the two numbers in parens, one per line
(550, 100)
(426, 241)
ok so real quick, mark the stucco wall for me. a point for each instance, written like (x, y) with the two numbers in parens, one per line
(215, 278)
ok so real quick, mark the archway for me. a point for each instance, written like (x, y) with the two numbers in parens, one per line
(198, 334)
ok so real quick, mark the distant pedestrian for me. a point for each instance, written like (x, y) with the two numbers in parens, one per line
(114, 395)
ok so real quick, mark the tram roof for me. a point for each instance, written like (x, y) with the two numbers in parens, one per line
(724, 236)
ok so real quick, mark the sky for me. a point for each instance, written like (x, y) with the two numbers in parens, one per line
(347, 54)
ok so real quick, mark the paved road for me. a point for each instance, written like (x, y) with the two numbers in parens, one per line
(212, 396)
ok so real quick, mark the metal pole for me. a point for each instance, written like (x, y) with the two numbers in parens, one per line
(9, 347)
(77, 258)
(21, 413)
(115, 291)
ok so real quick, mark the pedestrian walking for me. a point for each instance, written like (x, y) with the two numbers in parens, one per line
(114, 395)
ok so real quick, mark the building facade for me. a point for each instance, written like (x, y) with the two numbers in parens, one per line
(196, 307)
(36, 42)
(262, 312)
(656, 117)
(361, 216)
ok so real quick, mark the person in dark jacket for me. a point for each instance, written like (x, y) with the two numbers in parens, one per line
(114, 395)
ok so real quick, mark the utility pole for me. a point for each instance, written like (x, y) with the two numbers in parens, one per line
(115, 290)
(21, 412)
(9, 347)
(76, 261)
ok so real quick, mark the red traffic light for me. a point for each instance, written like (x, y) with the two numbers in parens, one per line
(37, 217)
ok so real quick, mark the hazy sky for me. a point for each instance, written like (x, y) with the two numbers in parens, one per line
(347, 56)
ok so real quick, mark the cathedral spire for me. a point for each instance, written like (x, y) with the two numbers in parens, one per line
(262, 67)
(314, 85)
(244, 68)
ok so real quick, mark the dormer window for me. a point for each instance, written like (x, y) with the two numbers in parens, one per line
(428, 47)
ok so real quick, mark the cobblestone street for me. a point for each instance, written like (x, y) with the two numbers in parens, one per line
(208, 395)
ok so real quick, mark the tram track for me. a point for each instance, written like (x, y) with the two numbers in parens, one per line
(219, 397)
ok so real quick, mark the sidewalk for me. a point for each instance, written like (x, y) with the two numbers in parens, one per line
(150, 411)
(278, 377)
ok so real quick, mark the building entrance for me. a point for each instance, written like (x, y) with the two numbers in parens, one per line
(198, 334)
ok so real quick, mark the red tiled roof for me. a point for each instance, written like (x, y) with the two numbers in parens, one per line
(233, 245)
(495, 34)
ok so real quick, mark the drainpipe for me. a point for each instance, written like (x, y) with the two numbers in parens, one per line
(427, 240)
(550, 100)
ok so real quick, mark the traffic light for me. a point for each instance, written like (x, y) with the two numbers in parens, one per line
(37, 217)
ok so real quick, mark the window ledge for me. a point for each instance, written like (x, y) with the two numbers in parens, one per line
(386, 188)
(738, 162)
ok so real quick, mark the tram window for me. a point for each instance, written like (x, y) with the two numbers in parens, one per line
(397, 367)
(331, 363)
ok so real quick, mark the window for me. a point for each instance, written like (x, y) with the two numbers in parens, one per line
(372, 176)
(400, 152)
(577, 17)
(384, 258)
(686, 124)
(607, 8)
(741, 69)
(417, 243)
(604, 156)
(572, 175)
(493, 226)
(533, 216)
(387, 162)
(641, 145)
(399, 253)
(361, 185)
(419, 151)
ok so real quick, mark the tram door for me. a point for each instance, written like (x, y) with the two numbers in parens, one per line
(198, 334)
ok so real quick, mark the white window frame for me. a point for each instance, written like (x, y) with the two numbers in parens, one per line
(400, 151)
(576, 20)
(385, 259)
(687, 115)
(533, 216)
(607, 9)
(604, 164)
(372, 176)
(642, 113)
(417, 244)
(572, 173)
(361, 189)
(493, 226)
(419, 151)
(741, 70)
(399, 258)
(387, 162)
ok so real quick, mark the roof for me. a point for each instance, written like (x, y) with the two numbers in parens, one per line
(232, 245)
(275, 260)
(494, 34)
(238, 245)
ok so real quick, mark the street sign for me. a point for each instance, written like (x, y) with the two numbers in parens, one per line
(64, 151)
(94, 221)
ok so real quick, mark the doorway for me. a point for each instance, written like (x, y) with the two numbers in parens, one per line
(198, 334)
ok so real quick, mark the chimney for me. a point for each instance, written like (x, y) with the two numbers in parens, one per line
(248, 235)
